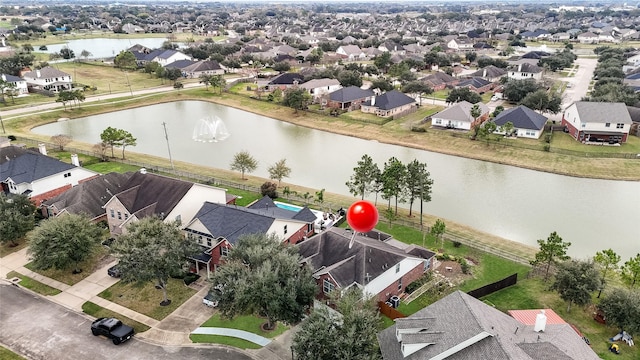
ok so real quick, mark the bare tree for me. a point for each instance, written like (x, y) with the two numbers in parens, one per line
(61, 140)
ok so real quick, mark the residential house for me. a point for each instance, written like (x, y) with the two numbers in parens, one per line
(632, 80)
(460, 44)
(597, 122)
(284, 81)
(460, 327)
(86, 198)
(458, 116)
(560, 36)
(20, 84)
(351, 52)
(381, 268)
(491, 73)
(389, 104)
(48, 78)
(321, 87)
(132, 29)
(525, 71)
(206, 67)
(439, 80)
(37, 175)
(217, 228)
(538, 34)
(392, 47)
(526, 122)
(145, 195)
(588, 38)
(476, 84)
(162, 56)
(349, 98)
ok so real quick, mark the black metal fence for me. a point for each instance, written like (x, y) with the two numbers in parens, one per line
(493, 287)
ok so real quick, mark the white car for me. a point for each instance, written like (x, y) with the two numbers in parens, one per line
(209, 301)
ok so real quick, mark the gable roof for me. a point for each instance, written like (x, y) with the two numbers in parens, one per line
(329, 253)
(10, 78)
(46, 72)
(461, 111)
(476, 83)
(439, 78)
(89, 197)
(603, 112)
(490, 71)
(180, 64)
(522, 118)
(390, 100)
(287, 79)
(207, 65)
(150, 194)
(26, 166)
(351, 49)
(231, 222)
(350, 93)
(460, 327)
(526, 68)
(317, 83)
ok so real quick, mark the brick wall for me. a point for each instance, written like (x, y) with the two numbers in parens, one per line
(38, 199)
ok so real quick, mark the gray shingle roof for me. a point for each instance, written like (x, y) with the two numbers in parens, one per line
(350, 93)
(391, 100)
(46, 72)
(287, 79)
(207, 65)
(461, 111)
(25, 166)
(522, 118)
(89, 197)
(180, 64)
(603, 112)
(490, 71)
(490, 333)
(476, 82)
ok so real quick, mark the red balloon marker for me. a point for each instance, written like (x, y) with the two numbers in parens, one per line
(362, 216)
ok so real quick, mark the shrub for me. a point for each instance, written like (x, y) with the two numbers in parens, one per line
(269, 189)
(190, 278)
(457, 244)
(464, 266)
(415, 128)
(547, 147)
(547, 138)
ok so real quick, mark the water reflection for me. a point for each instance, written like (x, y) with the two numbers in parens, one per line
(210, 129)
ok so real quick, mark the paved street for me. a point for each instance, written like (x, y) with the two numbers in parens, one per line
(40, 329)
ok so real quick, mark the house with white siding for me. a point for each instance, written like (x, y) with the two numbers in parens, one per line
(48, 78)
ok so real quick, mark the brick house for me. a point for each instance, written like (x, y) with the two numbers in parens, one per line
(37, 175)
(349, 98)
(439, 80)
(388, 104)
(597, 122)
(379, 267)
(476, 84)
(217, 228)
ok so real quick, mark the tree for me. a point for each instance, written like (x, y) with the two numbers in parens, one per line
(382, 83)
(326, 335)
(485, 129)
(262, 275)
(67, 53)
(607, 260)
(631, 271)
(350, 78)
(364, 176)
(279, 170)
(153, 66)
(125, 60)
(62, 241)
(417, 87)
(206, 80)
(296, 98)
(64, 97)
(269, 189)
(551, 251)
(152, 250)
(28, 48)
(85, 54)
(438, 229)
(112, 137)
(540, 100)
(621, 308)
(281, 66)
(77, 96)
(507, 128)
(417, 184)
(61, 140)
(393, 181)
(126, 140)
(575, 281)
(463, 94)
(12, 65)
(244, 162)
(516, 90)
(218, 81)
(172, 74)
(16, 218)
(383, 61)
(101, 150)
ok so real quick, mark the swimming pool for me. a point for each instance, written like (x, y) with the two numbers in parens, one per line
(289, 207)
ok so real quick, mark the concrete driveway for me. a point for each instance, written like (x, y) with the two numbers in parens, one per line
(40, 329)
(579, 84)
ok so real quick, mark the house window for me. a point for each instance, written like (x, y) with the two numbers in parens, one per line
(583, 125)
(119, 215)
(619, 126)
(607, 124)
(209, 242)
(126, 216)
(200, 240)
(438, 121)
(224, 251)
(400, 284)
(327, 286)
(285, 229)
(67, 175)
(397, 268)
(113, 213)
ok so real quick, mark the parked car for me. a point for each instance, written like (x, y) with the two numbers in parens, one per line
(113, 329)
(209, 300)
(114, 271)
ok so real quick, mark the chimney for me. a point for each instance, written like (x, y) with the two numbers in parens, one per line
(74, 160)
(37, 73)
(484, 73)
(3, 43)
(519, 67)
(143, 171)
(4, 77)
(541, 322)
(43, 149)
(373, 100)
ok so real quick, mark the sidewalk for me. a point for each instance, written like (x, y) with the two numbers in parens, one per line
(174, 330)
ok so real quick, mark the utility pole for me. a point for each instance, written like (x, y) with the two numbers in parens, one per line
(166, 136)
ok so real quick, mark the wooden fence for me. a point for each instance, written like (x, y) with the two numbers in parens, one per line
(389, 312)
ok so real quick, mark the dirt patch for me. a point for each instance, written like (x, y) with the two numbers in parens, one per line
(452, 271)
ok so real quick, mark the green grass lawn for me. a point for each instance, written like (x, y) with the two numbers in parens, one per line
(247, 323)
(566, 141)
(66, 276)
(145, 298)
(111, 166)
(6, 354)
(33, 285)
(6, 248)
(98, 312)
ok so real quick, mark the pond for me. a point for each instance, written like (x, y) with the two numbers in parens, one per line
(102, 47)
(514, 203)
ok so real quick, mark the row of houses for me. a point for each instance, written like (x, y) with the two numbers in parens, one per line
(207, 215)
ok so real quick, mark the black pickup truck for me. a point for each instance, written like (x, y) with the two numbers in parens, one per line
(113, 329)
